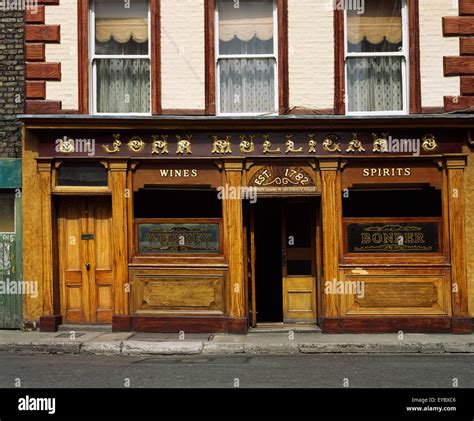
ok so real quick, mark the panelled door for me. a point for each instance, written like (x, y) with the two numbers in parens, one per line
(86, 260)
(299, 283)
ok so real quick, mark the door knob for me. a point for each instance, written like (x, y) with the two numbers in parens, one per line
(88, 266)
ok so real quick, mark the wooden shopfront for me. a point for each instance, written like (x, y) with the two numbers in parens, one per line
(192, 226)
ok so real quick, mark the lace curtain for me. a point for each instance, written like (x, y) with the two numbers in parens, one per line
(375, 84)
(123, 84)
(247, 84)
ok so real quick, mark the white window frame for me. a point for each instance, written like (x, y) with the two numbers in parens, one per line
(93, 57)
(14, 213)
(404, 53)
(220, 57)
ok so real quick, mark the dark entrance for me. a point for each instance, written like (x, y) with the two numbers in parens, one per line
(283, 261)
(268, 262)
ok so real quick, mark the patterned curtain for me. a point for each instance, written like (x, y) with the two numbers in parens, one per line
(375, 84)
(123, 85)
(247, 85)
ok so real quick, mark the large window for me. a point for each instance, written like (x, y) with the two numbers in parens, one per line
(377, 58)
(246, 52)
(120, 57)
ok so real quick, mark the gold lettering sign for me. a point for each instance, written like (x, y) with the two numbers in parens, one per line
(281, 179)
(386, 172)
(179, 173)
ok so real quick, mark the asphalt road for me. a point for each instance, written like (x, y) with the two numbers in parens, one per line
(315, 371)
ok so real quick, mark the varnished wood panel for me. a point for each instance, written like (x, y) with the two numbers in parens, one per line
(210, 56)
(43, 33)
(118, 182)
(86, 282)
(331, 210)
(35, 52)
(42, 107)
(466, 46)
(178, 293)
(414, 291)
(455, 169)
(388, 324)
(174, 324)
(47, 229)
(35, 90)
(283, 78)
(233, 237)
(459, 103)
(299, 299)
(83, 53)
(458, 25)
(44, 71)
(414, 56)
(155, 12)
(466, 7)
(467, 85)
(34, 15)
(458, 66)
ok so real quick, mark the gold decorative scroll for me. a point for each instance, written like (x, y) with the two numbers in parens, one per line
(121, 30)
(374, 29)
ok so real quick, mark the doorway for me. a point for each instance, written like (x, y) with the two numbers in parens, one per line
(85, 260)
(283, 261)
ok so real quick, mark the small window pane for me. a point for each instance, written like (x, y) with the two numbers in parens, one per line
(82, 175)
(123, 86)
(118, 23)
(247, 85)
(378, 29)
(7, 212)
(375, 84)
(246, 27)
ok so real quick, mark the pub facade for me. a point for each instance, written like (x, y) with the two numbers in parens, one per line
(187, 170)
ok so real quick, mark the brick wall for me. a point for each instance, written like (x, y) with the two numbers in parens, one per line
(11, 82)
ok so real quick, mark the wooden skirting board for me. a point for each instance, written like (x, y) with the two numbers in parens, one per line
(170, 324)
(397, 324)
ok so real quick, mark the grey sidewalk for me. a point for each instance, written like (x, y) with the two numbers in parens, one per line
(108, 343)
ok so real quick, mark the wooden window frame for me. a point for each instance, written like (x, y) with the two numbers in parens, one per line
(85, 78)
(211, 58)
(413, 91)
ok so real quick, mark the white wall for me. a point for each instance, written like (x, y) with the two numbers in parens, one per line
(311, 54)
(433, 46)
(182, 54)
(65, 53)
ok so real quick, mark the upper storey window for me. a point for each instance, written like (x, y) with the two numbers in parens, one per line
(120, 57)
(246, 54)
(377, 58)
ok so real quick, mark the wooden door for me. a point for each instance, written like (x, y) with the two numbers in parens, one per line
(85, 260)
(299, 284)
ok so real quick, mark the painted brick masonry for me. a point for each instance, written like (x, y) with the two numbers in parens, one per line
(11, 82)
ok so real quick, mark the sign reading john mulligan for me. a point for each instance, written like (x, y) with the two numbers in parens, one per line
(406, 237)
(178, 238)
